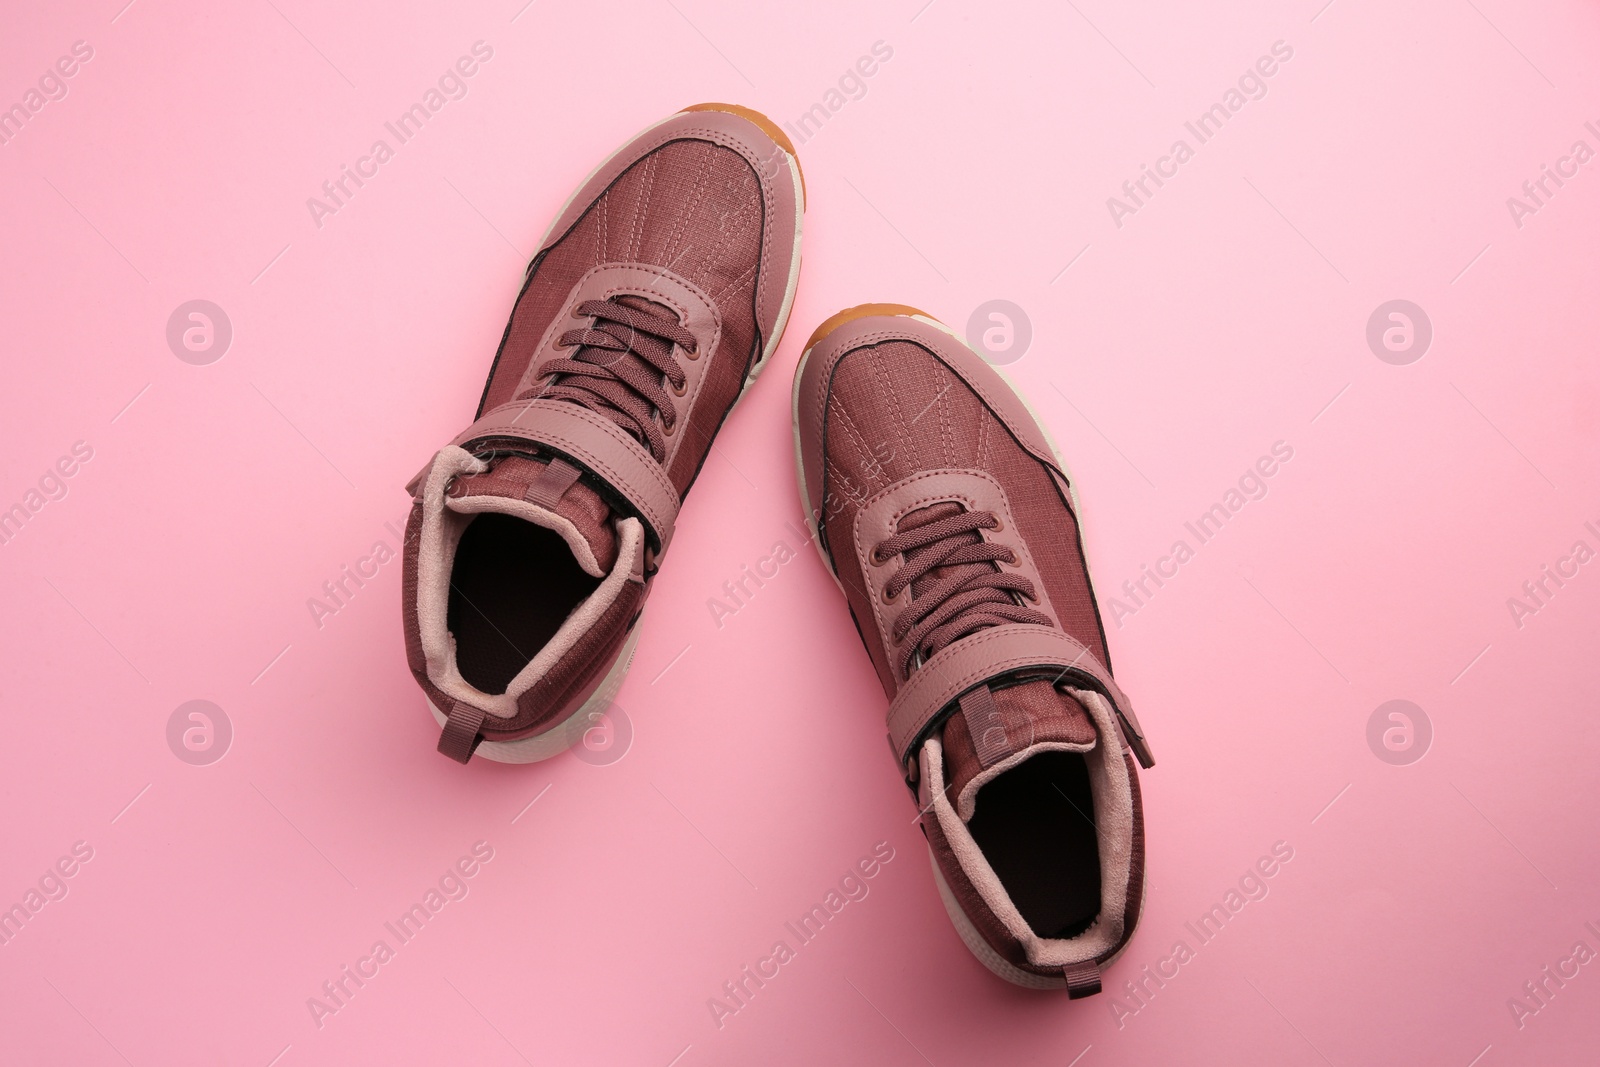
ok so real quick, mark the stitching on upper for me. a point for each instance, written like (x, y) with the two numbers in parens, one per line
(613, 475)
(983, 440)
(898, 415)
(946, 432)
(863, 560)
(655, 139)
(704, 359)
(857, 438)
(647, 182)
(1085, 661)
(570, 307)
(1026, 557)
(738, 281)
(691, 205)
(874, 337)
(768, 196)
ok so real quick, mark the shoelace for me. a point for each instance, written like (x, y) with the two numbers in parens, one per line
(968, 593)
(623, 367)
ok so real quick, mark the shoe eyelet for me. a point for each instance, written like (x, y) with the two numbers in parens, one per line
(676, 391)
(999, 525)
(692, 353)
(887, 599)
(669, 428)
(876, 558)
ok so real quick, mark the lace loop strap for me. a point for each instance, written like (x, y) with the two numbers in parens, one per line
(592, 442)
(934, 689)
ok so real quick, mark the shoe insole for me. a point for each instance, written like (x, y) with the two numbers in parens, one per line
(1035, 826)
(512, 586)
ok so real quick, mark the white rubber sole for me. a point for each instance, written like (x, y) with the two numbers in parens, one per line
(561, 736)
(985, 952)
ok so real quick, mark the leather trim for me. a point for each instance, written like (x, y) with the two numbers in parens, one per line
(975, 490)
(779, 195)
(864, 332)
(694, 309)
(925, 699)
(595, 443)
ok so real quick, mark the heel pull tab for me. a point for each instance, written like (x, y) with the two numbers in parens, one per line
(1083, 979)
(460, 736)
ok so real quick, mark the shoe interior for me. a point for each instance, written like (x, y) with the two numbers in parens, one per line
(512, 585)
(1035, 825)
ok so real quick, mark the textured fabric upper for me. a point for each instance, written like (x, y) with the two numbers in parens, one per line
(691, 206)
(894, 410)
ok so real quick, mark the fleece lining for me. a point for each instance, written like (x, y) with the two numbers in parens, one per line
(443, 522)
(582, 551)
(967, 802)
(1113, 805)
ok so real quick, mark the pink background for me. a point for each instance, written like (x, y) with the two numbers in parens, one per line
(1227, 314)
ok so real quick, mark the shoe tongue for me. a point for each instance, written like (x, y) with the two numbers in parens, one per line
(554, 492)
(997, 729)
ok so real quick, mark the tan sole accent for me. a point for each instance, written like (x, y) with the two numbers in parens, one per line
(768, 127)
(860, 311)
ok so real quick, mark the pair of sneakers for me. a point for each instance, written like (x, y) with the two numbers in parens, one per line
(935, 497)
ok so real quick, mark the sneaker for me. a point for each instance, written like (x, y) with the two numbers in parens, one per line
(656, 297)
(948, 521)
